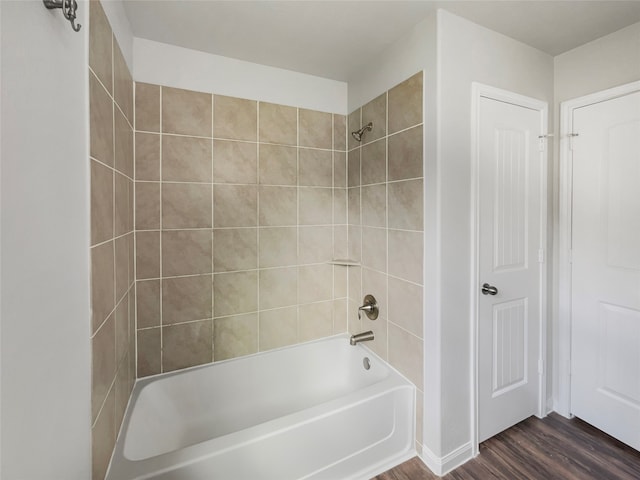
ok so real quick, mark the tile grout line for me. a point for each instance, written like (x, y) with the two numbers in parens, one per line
(259, 306)
(213, 240)
(161, 354)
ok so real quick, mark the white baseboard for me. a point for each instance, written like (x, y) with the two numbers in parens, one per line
(443, 465)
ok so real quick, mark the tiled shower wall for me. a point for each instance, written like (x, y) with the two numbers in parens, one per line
(240, 205)
(112, 257)
(385, 215)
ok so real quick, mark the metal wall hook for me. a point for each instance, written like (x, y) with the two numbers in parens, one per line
(68, 7)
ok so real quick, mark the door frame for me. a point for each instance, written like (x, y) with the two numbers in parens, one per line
(562, 402)
(478, 91)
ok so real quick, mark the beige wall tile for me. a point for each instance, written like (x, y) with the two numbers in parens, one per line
(315, 206)
(405, 205)
(186, 298)
(406, 255)
(100, 44)
(339, 206)
(315, 244)
(148, 303)
(278, 247)
(123, 83)
(235, 336)
(315, 321)
(374, 162)
(406, 354)
(149, 352)
(374, 205)
(122, 330)
(405, 154)
(186, 159)
(147, 205)
(147, 107)
(131, 239)
(315, 283)
(100, 122)
(278, 328)
(278, 287)
(123, 145)
(187, 345)
(339, 169)
(186, 252)
(102, 282)
(355, 288)
(147, 255)
(339, 132)
(340, 242)
(278, 124)
(235, 206)
(122, 389)
(353, 168)
(147, 156)
(121, 266)
(278, 165)
(101, 203)
(235, 249)
(316, 129)
(103, 434)
(186, 112)
(355, 243)
(375, 111)
(315, 168)
(405, 305)
(235, 162)
(103, 347)
(235, 118)
(278, 206)
(186, 205)
(353, 206)
(354, 123)
(122, 201)
(340, 316)
(405, 104)
(235, 293)
(374, 248)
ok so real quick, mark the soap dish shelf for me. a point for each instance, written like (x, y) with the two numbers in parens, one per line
(345, 262)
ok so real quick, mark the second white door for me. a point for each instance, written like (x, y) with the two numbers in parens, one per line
(509, 266)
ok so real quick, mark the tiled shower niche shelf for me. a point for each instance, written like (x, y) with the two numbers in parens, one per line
(345, 262)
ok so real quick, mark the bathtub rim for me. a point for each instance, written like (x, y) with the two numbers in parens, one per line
(400, 381)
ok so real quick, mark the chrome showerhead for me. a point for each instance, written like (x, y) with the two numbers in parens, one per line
(358, 133)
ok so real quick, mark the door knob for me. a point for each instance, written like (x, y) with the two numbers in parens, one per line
(489, 289)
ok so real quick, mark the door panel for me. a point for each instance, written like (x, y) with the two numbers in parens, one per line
(509, 241)
(605, 303)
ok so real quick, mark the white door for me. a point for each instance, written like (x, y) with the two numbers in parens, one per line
(605, 298)
(511, 167)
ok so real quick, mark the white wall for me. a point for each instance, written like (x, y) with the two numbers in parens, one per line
(466, 53)
(604, 63)
(45, 350)
(179, 67)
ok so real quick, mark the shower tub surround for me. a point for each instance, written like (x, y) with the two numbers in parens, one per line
(310, 411)
(240, 205)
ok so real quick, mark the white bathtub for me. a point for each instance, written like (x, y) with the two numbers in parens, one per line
(310, 411)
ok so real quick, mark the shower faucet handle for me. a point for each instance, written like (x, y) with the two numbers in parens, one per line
(369, 307)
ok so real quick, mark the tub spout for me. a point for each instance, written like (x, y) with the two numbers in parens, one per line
(361, 337)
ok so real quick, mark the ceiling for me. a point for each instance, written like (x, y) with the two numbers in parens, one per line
(333, 39)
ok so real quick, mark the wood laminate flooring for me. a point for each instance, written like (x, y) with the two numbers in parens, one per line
(551, 448)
